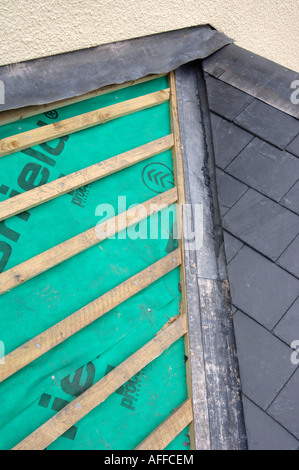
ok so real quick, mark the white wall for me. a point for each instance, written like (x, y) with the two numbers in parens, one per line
(35, 28)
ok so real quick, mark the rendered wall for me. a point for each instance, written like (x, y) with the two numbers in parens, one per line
(35, 28)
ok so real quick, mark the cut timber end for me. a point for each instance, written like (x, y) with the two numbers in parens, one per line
(169, 429)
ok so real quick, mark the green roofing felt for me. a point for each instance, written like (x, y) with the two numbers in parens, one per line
(36, 393)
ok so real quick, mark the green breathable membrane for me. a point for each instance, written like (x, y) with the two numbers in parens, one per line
(33, 395)
(85, 106)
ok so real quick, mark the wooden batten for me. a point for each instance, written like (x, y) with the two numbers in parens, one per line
(175, 329)
(66, 184)
(37, 136)
(179, 181)
(13, 115)
(169, 429)
(72, 247)
(58, 333)
(95, 395)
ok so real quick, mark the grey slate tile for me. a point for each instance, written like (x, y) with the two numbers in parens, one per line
(269, 123)
(229, 191)
(254, 74)
(293, 147)
(228, 139)
(288, 327)
(232, 246)
(290, 258)
(225, 99)
(262, 224)
(285, 408)
(265, 364)
(265, 168)
(263, 433)
(260, 288)
(291, 199)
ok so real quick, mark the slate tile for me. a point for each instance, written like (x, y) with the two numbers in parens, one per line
(265, 168)
(263, 433)
(232, 246)
(291, 199)
(269, 123)
(260, 288)
(228, 139)
(290, 258)
(254, 74)
(262, 224)
(229, 191)
(288, 327)
(285, 408)
(238, 64)
(293, 147)
(265, 364)
(225, 99)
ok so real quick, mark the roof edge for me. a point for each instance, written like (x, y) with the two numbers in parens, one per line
(54, 78)
(255, 75)
(216, 388)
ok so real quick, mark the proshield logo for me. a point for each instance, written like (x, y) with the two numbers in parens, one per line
(129, 391)
(2, 93)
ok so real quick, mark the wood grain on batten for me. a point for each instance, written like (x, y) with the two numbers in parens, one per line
(13, 115)
(64, 185)
(62, 252)
(25, 140)
(58, 333)
(169, 429)
(93, 397)
(179, 181)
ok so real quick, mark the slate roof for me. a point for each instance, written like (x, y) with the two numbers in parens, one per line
(256, 148)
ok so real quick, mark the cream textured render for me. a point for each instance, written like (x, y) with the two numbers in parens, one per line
(31, 29)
